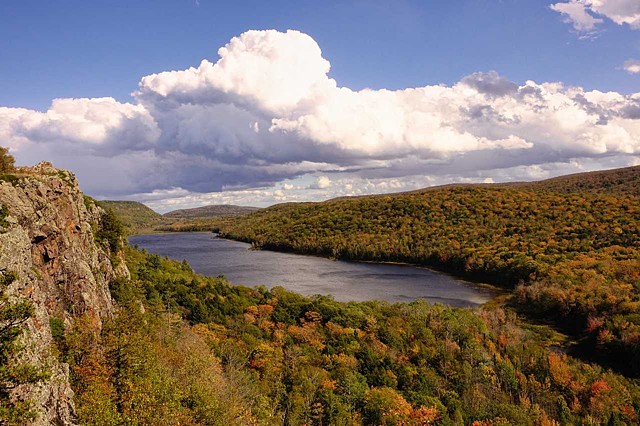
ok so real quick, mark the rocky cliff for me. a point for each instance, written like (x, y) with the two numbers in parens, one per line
(47, 239)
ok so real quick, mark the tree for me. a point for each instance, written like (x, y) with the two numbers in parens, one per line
(6, 160)
(385, 406)
(12, 373)
(110, 231)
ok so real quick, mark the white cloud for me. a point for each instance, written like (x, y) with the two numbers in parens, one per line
(267, 112)
(575, 13)
(632, 66)
(619, 11)
(269, 70)
(582, 13)
(322, 182)
(353, 185)
(87, 121)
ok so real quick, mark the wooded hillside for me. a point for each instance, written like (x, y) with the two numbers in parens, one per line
(570, 246)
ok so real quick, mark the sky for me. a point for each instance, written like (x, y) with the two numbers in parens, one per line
(182, 103)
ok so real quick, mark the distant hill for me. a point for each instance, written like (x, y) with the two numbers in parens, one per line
(135, 216)
(140, 219)
(622, 181)
(625, 181)
(210, 211)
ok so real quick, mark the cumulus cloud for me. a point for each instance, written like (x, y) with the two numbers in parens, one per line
(270, 71)
(322, 182)
(583, 14)
(88, 123)
(266, 111)
(632, 66)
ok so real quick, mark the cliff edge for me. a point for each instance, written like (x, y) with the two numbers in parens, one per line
(48, 239)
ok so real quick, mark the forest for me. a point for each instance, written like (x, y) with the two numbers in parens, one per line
(569, 247)
(188, 349)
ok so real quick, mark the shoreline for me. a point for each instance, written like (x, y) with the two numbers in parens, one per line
(481, 284)
(498, 293)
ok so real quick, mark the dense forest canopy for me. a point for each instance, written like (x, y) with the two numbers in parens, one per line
(617, 181)
(188, 349)
(571, 250)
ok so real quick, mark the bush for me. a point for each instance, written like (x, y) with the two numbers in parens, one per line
(57, 330)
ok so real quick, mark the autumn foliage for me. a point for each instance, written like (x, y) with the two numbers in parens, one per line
(570, 247)
(187, 349)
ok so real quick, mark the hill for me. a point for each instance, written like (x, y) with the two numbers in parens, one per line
(571, 249)
(135, 216)
(140, 219)
(221, 210)
(624, 181)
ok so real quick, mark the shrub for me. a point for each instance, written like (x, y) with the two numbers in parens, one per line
(4, 212)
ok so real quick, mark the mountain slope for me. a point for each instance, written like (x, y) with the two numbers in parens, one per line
(140, 219)
(624, 181)
(135, 216)
(222, 210)
(573, 251)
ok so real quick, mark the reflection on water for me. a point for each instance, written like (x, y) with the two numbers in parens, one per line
(309, 275)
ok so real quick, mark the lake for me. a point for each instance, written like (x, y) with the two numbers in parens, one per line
(309, 275)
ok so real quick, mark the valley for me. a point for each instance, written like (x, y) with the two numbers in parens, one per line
(173, 344)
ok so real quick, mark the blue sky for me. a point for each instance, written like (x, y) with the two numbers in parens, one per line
(361, 97)
(72, 48)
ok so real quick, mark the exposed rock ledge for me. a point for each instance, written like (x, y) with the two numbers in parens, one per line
(49, 242)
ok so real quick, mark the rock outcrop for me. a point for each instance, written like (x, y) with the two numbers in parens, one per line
(47, 238)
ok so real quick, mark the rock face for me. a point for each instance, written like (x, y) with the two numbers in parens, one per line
(47, 238)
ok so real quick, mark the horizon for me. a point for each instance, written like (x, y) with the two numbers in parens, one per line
(361, 98)
(373, 194)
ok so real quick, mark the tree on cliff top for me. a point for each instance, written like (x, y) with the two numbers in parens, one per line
(6, 160)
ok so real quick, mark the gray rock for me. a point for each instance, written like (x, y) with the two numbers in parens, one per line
(49, 242)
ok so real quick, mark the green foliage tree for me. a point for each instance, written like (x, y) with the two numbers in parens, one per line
(110, 230)
(6, 161)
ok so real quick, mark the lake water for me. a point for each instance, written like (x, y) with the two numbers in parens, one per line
(309, 275)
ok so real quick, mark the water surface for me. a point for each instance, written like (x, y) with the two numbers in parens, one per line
(309, 275)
